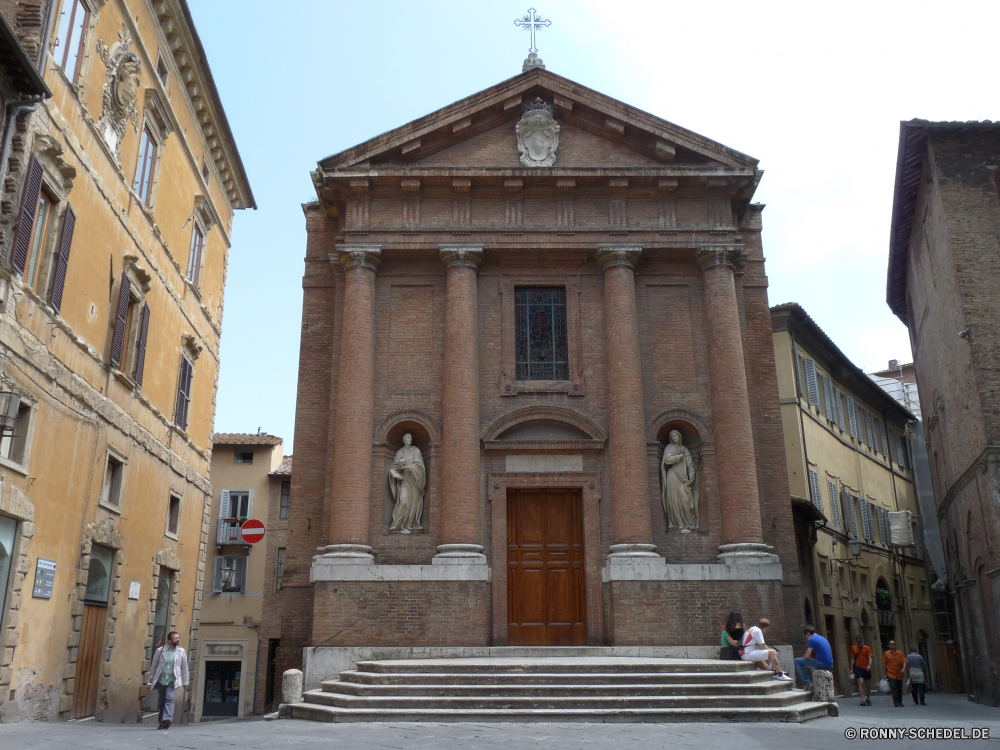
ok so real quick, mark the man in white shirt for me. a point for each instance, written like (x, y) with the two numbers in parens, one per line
(168, 671)
(753, 648)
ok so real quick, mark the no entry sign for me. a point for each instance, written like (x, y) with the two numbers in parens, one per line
(252, 531)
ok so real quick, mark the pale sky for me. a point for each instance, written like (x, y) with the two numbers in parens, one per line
(814, 90)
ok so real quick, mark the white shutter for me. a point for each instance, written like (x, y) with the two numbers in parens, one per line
(835, 504)
(817, 500)
(250, 503)
(217, 577)
(831, 407)
(840, 410)
(811, 387)
(852, 416)
(224, 505)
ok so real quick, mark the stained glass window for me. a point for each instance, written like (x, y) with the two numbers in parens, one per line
(541, 349)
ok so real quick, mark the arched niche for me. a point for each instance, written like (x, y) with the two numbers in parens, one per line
(389, 437)
(694, 430)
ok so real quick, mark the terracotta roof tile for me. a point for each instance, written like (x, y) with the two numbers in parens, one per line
(245, 438)
(284, 468)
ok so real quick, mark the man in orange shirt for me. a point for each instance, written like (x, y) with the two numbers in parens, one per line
(861, 669)
(895, 670)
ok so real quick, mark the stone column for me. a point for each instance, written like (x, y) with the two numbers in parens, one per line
(734, 449)
(352, 446)
(460, 482)
(631, 525)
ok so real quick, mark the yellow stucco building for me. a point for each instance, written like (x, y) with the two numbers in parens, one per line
(248, 484)
(849, 466)
(115, 242)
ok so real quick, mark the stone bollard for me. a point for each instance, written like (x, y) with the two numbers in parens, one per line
(291, 686)
(822, 681)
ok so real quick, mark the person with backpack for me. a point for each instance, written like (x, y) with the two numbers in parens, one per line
(753, 648)
(861, 669)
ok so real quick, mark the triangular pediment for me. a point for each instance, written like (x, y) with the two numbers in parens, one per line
(595, 131)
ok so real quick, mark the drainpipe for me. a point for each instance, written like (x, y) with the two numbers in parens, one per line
(46, 38)
(256, 670)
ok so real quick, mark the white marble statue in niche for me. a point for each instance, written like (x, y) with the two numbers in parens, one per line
(679, 472)
(407, 480)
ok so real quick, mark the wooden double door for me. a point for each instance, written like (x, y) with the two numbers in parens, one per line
(546, 596)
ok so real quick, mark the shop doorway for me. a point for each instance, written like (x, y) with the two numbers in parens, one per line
(95, 617)
(222, 689)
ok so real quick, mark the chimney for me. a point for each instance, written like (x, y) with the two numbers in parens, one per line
(893, 364)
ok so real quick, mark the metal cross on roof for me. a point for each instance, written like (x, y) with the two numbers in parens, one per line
(531, 21)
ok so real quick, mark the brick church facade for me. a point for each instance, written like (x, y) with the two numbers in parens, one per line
(538, 284)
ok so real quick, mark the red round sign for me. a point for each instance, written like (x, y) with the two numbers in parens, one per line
(252, 531)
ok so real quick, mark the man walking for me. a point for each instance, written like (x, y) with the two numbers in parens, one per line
(861, 668)
(753, 648)
(819, 655)
(895, 669)
(918, 682)
(168, 671)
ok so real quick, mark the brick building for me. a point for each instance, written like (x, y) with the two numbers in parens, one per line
(944, 284)
(539, 284)
(116, 216)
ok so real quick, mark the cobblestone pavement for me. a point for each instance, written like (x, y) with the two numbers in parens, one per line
(941, 711)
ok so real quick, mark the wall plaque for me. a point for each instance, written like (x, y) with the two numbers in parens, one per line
(45, 576)
(529, 464)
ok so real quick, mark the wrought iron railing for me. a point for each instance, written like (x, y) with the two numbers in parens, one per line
(229, 532)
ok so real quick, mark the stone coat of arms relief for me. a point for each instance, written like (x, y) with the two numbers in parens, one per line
(121, 91)
(537, 135)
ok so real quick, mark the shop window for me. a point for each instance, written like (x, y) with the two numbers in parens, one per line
(222, 689)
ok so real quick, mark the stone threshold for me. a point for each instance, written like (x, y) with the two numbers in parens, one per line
(653, 569)
(327, 570)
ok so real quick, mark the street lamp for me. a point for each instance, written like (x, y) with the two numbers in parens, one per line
(10, 402)
(854, 545)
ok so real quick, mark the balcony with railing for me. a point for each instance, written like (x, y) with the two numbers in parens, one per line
(229, 532)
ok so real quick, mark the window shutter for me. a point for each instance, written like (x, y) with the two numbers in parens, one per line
(140, 357)
(831, 407)
(239, 577)
(65, 242)
(817, 500)
(883, 436)
(840, 410)
(869, 429)
(866, 522)
(835, 504)
(224, 505)
(26, 217)
(250, 503)
(183, 394)
(124, 297)
(880, 515)
(890, 442)
(852, 416)
(217, 579)
(811, 389)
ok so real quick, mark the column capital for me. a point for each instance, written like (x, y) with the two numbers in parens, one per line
(709, 256)
(461, 256)
(357, 256)
(610, 256)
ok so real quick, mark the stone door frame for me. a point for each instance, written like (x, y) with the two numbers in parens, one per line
(589, 484)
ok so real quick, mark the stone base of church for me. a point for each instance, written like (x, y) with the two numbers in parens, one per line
(326, 662)
(676, 612)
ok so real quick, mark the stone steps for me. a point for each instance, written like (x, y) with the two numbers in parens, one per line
(796, 713)
(543, 690)
(340, 700)
(581, 686)
(548, 678)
